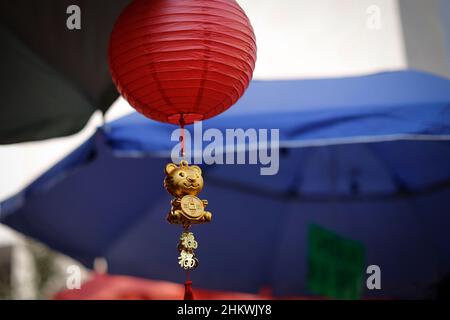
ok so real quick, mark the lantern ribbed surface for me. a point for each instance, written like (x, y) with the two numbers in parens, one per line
(181, 61)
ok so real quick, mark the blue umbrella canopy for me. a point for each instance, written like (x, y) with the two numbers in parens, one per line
(365, 158)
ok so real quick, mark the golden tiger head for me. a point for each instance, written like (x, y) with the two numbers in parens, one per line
(183, 180)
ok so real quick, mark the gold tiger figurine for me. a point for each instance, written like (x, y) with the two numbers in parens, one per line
(185, 182)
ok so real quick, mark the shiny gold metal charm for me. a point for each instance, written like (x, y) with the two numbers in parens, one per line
(185, 182)
(186, 247)
(192, 207)
(187, 242)
(187, 260)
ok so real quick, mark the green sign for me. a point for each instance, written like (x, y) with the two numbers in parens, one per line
(335, 265)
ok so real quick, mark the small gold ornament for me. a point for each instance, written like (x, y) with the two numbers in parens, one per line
(187, 260)
(187, 241)
(185, 182)
(186, 247)
(192, 207)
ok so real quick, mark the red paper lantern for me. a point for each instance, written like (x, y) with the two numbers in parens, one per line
(180, 61)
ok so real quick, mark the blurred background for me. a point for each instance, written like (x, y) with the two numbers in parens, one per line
(297, 39)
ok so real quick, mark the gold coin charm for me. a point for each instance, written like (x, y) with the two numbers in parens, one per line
(192, 207)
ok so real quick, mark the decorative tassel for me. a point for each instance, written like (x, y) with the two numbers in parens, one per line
(188, 294)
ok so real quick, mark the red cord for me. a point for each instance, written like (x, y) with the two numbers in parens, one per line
(182, 142)
(182, 137)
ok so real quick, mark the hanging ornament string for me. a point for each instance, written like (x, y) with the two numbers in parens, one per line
(187, 243)
(182, 137)
(188, 293)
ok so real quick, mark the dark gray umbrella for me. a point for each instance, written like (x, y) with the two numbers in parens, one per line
(52, 79)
